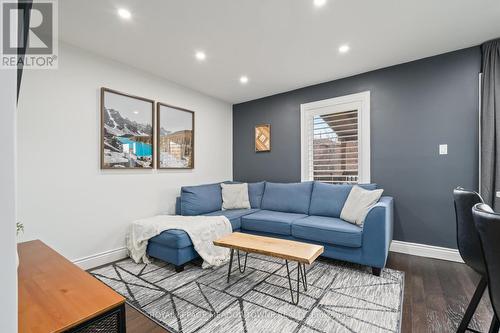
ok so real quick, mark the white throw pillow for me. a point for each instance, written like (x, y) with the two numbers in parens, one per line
(358, 204)
(235, 196)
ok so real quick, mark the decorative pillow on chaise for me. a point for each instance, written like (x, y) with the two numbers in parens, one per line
(358, 204)
(235, 196)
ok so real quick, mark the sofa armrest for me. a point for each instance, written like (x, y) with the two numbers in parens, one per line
(377, 232)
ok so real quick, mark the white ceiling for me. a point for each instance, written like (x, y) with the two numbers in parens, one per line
(279, 44)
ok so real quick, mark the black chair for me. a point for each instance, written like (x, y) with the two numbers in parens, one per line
(488, 226)
(469, 246)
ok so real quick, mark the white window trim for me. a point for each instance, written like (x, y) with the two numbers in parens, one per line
(360, 102)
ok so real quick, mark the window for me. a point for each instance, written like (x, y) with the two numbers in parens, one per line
(336, 139)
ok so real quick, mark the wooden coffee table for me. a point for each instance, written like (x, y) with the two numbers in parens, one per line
(302, 253)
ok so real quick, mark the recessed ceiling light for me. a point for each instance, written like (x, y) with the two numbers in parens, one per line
(344, 48)
(124, 13)
(244, 79)
(136, 112)
(319, 3)
(200, 55)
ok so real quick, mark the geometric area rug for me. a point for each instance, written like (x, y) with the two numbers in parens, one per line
(341, 297)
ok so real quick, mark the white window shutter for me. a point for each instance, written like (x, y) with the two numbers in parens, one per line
(333, 146)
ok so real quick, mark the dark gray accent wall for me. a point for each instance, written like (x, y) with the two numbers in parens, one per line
(414, 107)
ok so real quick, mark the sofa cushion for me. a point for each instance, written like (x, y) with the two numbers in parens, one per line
(173, 238)
(255, 193)
(233, 215)
(328, 230)
(287, 198)
(328, 199)
(202, 199)
(270, 222)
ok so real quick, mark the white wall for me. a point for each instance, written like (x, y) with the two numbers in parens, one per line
(64, 198)
(8, 277)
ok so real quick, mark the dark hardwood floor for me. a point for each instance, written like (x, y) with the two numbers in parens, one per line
(436, 295)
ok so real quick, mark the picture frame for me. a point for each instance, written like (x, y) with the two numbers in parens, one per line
(175, 137)
(127, 131)
(263, 138)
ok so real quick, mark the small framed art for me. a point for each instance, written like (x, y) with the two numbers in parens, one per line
(263, 138)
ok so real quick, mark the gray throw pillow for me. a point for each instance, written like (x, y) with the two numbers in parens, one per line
(235, 196)
(358, 204)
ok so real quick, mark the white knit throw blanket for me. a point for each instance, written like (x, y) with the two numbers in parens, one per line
(202, 230)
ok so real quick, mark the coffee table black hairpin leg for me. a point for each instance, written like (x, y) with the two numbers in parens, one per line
(239, 263)
(301, 275)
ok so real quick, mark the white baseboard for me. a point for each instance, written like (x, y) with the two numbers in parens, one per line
(102, 258)
(415, 249)
(427, 251)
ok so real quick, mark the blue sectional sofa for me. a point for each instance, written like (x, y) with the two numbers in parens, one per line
(307, 212)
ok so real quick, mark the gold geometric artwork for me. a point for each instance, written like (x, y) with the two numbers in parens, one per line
(263, 138)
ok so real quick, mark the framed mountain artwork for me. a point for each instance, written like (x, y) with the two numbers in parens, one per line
(263, 138)
(175, 137)
(127, 124)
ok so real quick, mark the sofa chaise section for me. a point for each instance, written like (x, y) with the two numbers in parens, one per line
(175, 246)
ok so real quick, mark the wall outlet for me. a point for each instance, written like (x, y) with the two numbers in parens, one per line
(443, 149)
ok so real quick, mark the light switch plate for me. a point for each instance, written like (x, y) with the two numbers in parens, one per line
(443, 149)
(498, 194)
